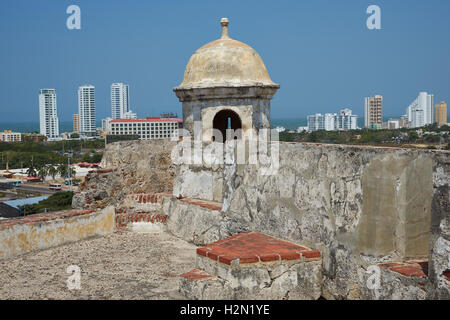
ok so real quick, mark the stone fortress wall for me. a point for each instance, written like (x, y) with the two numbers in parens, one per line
(359, 206)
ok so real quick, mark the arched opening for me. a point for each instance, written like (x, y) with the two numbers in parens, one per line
(227, 119)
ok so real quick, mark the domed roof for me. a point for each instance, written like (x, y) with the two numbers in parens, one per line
(225, 63)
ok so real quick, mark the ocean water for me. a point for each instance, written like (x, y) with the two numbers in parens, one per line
(29, 127)
(67, 126)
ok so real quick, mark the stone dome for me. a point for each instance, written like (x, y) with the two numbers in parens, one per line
(225, 63)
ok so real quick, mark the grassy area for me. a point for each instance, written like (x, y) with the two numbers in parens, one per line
(56, 202)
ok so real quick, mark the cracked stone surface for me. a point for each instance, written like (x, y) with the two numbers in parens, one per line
(121, 265)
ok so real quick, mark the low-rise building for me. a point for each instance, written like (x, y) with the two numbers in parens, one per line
(9, 136)
(148, 128)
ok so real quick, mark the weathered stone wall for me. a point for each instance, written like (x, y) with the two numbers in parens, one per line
(439, 267)
(129, 167)
(41, 231)
(360, 206)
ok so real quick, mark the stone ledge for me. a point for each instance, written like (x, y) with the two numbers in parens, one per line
(4, 224)
(255, 247)
(26, 234)
(254, 266)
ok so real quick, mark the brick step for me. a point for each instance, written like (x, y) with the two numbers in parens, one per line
(211, 205)
(254, 266)
(123, 219)
(405, 280)
(142, 202)
(143, 198)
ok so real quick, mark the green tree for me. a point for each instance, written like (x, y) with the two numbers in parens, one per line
(52, 171)
(31, 172)
(56, 202)
(62, 170)
(42, 172)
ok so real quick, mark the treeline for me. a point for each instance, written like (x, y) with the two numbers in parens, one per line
(39, 154)
(397, 137)
(56, 202)
(49, 146)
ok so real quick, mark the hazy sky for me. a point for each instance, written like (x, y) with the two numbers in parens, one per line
(320, 52)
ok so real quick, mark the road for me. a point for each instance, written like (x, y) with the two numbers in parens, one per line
(36, 188)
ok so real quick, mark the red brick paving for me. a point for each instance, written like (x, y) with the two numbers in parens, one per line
(196, 274)
(255, 247)
(446, 274)
(408, 268)
(151, 197)
(203, 204)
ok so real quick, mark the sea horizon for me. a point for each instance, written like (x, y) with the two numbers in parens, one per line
(67, 126)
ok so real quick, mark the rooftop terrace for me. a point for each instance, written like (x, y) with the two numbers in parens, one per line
(121, 265)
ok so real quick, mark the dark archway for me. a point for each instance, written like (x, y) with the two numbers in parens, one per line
(227, 119)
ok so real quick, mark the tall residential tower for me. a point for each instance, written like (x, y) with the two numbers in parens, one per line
(76, 123)
(120, 100)
(48, 118)
(421, 111)
(373, 112)
(440, 113)
(86, 110)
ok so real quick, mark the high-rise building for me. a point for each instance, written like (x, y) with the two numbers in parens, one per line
(421, 111)
(440, 113)
(86, 110)
(373, 112)
(346, 120)
(120, 100)
(48, 118)
(76, 123)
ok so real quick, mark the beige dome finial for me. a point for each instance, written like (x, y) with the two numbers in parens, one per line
(224, 22)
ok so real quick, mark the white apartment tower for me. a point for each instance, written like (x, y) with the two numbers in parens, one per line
(48, 118)
(421, 111)
(120, 100)
(86, 110)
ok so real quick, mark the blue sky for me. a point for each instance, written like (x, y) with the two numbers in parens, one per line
(319, 51)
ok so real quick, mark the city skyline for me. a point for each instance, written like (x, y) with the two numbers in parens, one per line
(152, 59)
